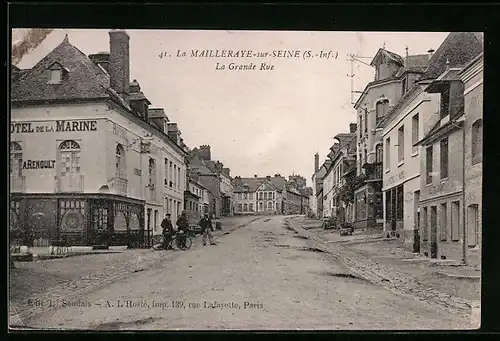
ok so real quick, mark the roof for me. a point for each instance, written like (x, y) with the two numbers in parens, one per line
(84, 79)
(253, 183)
(385, 53)
(446, 77)
(157, 113)
(458, 48)
(409, 95)
(471, 63)
(440, 130)
(198, 165)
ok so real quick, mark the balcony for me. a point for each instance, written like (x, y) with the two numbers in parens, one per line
(69, 183)
(17, 184)
(119, 185)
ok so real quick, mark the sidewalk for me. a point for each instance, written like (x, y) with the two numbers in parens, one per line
(383, 263)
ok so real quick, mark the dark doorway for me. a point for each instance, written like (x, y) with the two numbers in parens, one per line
(416, 223)
(434, 246)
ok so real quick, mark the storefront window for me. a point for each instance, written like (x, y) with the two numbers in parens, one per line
(69, 157)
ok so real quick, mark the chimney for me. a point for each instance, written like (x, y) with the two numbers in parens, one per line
(226, 171)
(137, 101)
(277, 175)
(268, 178)
(352, 128)
(204, 152)
(316, 162)
(119, 58)
(102, 59)
(173, 132)
(255, 175)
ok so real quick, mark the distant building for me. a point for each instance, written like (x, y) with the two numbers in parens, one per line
(194, 199)
(259, 195)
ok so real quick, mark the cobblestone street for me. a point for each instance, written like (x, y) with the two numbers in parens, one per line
(382, 262)
(261, 276)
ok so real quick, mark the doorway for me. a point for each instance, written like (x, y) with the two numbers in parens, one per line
(473, 224)
(434, 246)
(416, 222)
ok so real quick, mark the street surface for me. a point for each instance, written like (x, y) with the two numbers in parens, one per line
(259, 276)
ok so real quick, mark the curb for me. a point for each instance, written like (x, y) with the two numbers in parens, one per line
(444, 274)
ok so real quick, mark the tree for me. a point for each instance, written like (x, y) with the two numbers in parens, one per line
(351, 185)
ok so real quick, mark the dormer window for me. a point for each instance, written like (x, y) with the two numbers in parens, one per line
(56, 73)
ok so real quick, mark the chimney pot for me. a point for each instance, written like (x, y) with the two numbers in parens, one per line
(255, 175)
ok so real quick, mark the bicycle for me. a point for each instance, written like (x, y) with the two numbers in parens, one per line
(180, 240)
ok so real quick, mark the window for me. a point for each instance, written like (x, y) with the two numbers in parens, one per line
(443, 222)
(121, 172)
(477, 141)
(445, 102)
(424, 225)
(55, 74)
(401, 144)
(274, 196)
(270, 205)
(455, 221)
(152, 171)
(378, 160)
(382, 108)
(240, 207)
(246, 196)
(388, 153)
(69, 157)
(16, 160)
(250, 207)
(428, 165)
(179, 184)
(175, 176)
(414, 133)
(265, 195)
(166, 172)
(250, 195)
(171, 175)
(245, 207)
(443, 149)
(360, 126)
(366, 120)
(399, 202)
(261, 206)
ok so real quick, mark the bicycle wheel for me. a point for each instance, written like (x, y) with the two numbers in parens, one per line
(183, 242)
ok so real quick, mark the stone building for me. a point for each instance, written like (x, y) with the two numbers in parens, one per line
(87, 160)
(193, 198)
(442, 210)
(334, 179)
(259, 195)
(394, 75)
(316, 201)
(472, 77)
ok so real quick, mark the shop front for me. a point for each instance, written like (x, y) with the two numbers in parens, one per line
(77, 219)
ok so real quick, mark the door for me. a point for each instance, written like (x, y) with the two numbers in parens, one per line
(416, 222)
(148, 224)
(434, 247)
(473, 224)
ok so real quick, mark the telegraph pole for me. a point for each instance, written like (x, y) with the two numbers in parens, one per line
(355, 58)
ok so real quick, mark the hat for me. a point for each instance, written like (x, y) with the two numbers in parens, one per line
(168, 214)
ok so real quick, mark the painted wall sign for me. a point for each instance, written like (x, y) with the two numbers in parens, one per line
(59, 126)
(39, 164)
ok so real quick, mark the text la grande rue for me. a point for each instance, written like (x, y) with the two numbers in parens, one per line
(244, 67)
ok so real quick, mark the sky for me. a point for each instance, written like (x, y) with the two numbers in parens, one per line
(256, 121)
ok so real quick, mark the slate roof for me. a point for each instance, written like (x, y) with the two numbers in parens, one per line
(254, 183)
(84, 79)
(198, 165)
(459, 48)
(391, 55)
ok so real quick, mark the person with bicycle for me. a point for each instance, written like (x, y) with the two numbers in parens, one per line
(206, 226)
(182, 225)
(168, 232)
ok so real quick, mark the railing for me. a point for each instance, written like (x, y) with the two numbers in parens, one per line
(119, 186)
(17, 184)
(69, 183)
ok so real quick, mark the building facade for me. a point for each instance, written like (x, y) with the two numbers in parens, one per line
(210, 180)
(259, 195)
(194, 199)
(472, 77)
(393, 76)
(86, 160)
(403, 128)
(227, 192)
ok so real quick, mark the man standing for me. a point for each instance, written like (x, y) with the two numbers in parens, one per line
(168, 231)
(206, 226)
(182, 223)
